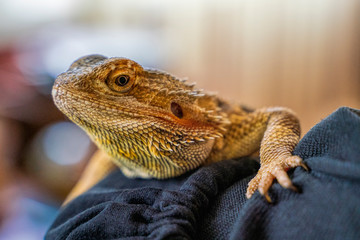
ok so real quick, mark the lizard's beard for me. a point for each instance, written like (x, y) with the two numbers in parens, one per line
(136, 139)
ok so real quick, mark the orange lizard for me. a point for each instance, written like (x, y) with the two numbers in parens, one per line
(151, 124)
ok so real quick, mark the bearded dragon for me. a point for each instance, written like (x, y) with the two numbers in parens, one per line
(152, 124)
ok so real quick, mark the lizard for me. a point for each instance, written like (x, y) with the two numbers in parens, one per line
(151, 124)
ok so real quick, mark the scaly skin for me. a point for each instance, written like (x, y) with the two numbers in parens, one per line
(151, 124)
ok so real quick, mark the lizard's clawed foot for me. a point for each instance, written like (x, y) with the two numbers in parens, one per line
(271, 170)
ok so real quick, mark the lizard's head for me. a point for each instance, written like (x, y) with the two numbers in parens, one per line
(145, 118)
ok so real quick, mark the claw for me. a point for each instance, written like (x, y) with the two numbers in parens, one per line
(304, 166)
(293, 188)
(267, 197)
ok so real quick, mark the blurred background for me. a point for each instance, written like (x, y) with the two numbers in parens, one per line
(301, 54)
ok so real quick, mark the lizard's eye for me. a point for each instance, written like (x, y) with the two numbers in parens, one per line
(176, 110)
(120, 82)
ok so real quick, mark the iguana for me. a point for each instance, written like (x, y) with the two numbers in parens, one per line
(152, 124)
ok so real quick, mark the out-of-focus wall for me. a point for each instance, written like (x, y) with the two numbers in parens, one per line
(300, 54)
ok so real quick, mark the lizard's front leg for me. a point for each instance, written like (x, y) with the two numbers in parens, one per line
(98, 167)
(281, 135)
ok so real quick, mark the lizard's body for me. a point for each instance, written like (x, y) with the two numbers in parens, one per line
(151, 124)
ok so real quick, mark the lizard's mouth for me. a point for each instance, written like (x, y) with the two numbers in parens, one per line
(85, 102)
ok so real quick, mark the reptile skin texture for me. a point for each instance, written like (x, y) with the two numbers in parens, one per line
(151, 124)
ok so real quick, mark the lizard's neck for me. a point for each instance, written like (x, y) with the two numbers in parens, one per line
(140, 155)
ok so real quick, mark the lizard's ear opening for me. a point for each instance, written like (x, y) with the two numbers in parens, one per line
(176, 110)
